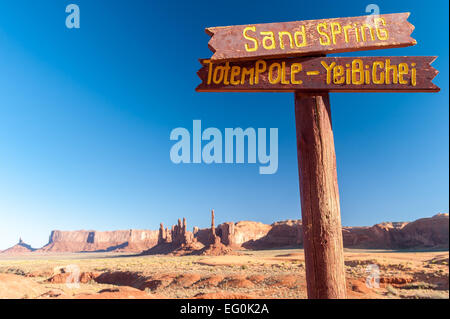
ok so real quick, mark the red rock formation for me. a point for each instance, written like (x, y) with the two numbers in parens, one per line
(205, 242)
(177, 240)
(162, 237)
(214, 245)
(378, 236)
(281, 234)
(19, 248)
(119, 240)
(213, 229)
(180, 235)
(236, 234)
(423, 233)
(427, 232)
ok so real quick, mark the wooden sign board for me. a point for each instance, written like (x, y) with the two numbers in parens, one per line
(311, 37)
(320, 74)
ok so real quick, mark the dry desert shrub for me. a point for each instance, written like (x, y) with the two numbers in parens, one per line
(426, 294)
(391, 290)
(419, 285)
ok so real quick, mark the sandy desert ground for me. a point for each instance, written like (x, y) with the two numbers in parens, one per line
(251, 274)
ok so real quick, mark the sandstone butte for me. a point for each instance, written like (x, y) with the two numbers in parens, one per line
(424, 233)
(19, 248)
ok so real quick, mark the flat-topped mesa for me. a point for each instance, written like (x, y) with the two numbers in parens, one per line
(431, 232)
(240, 233)
(89, 240)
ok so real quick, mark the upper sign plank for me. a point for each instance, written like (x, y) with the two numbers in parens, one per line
(311, 37)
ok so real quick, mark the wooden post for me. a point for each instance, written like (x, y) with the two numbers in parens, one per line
(322, 232)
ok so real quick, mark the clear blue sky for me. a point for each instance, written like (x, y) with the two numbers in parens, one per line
(85, 118)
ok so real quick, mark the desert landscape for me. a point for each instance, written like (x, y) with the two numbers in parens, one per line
(232, 260)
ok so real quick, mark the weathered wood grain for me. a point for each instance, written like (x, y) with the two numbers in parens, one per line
(310, 37)
(320, 74)
(319, 194)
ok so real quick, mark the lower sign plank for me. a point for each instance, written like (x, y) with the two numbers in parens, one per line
(320, 74)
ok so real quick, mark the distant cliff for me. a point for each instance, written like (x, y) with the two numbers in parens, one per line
(424, 233)
(87, 241)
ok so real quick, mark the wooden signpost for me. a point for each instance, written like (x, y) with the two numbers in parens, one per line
(290, 57)
(310, 37)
